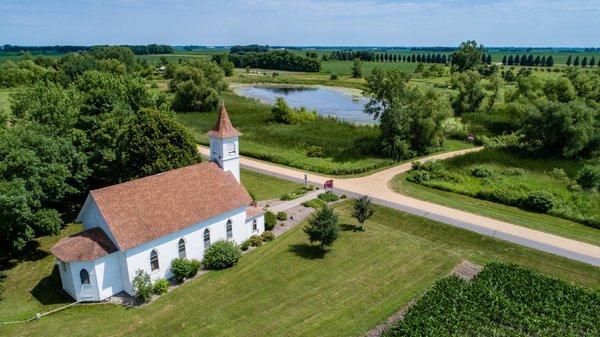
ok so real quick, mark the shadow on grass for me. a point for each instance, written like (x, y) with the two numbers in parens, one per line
(32, 252)
(49, 289)
(309, 252)
(348, 227)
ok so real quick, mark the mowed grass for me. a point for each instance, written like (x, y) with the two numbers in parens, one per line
(289, 288)
(346, 146)
(265, 187)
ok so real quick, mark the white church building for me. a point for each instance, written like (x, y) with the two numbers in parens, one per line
(146, 223)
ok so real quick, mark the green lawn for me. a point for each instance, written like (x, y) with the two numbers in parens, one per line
(289, 288)
(348, 148)
(266, 187)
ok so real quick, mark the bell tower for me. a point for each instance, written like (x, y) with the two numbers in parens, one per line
(224, 144)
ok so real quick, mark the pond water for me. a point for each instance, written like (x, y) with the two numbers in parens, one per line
(345, 104)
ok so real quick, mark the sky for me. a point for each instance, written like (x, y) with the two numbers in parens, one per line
(535, 23)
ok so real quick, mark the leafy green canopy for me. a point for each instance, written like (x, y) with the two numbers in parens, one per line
(410, 117)
(62, 140)
(322, 227)
(196, 85)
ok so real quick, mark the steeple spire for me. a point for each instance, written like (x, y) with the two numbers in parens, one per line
(224, 128)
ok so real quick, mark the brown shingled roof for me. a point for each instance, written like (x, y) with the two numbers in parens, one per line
(145, 209)
(224, 128)
(87, 245)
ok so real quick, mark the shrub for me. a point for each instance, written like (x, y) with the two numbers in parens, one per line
(314, 203)
(183, 268)
(221, 255)
(314, 151)
(589, 177)
(142, 286)
(343, 196)
(540, 201)
(255, 241)
(282, 216)
(245, 245)
(161, 286)
(482, 171)
(270, 220)
(454, 128)
(430, 166)
(328, 196)
(333, 77)
(418, 177)
(267, 236)
(283, 113)
(481, 140)
(514, 171)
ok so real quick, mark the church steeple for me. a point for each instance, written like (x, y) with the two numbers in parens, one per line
(224, 144)
(223, 128)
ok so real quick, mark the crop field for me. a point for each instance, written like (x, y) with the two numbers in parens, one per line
(287, 285)
(503, 300)
(538, 184)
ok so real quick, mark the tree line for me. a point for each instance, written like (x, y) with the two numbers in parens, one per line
(137, 49)
(584, 62)
(278, 60)
(528, 60)
(91, 122)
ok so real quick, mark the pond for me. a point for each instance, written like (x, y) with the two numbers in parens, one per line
(343, 103)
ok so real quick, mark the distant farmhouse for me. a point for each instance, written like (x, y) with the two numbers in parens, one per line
(146, 223)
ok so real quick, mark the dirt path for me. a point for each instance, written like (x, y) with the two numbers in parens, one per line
(377, 187)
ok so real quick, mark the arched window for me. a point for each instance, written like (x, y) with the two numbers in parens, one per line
(84, 276)
(254, 225)
(154, 260)
(181, 248)
(229, 228)
(206, 238)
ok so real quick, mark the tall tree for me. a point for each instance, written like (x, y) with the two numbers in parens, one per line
(593, 61)
(357, 68)
(470, 92)
(322, 227)
(568, 61)
(576, 62)
(510, 61)
(550, 61)
(543, 61)
(504, 60)
(363, 210)
(488, 60)
(584, 62)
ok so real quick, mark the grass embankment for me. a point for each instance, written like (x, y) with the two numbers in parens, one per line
(289, 287)
(503, 300)
(348, 148)
(464, 191)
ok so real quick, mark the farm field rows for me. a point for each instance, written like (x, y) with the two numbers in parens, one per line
(291, 287)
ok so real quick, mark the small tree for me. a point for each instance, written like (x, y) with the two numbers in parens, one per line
(323, 227)
(142, 285)
(363, 210)
(357, 68)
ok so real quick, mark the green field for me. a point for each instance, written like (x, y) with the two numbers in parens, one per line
(285, 287)
(503, 300)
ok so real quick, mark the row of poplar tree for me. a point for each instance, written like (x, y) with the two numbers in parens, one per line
(528, 60)
(584, 61)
